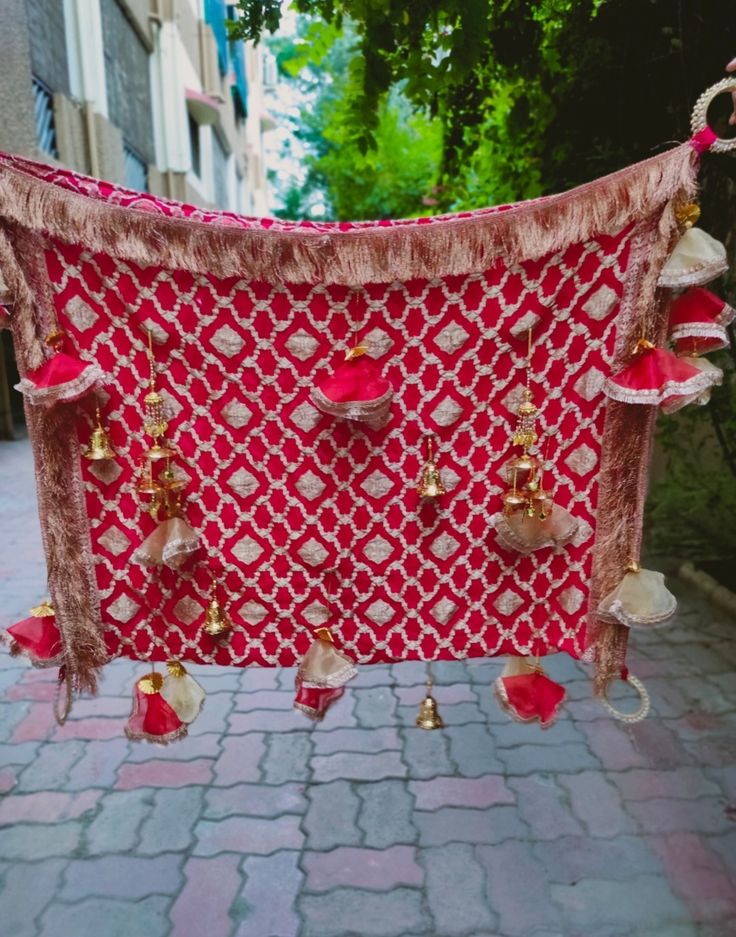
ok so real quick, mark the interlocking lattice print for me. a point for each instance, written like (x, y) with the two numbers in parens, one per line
(314, 519)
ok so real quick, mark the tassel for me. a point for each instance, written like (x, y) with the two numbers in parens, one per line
(697, 322)
(322, 675)
(355, 391)
(182, 692)
(716, 375)
(640, 600)
(527, 694)
(152, 718)
(521, 533)
(696, 259)
(171, 543)
(61, 378)
(657, 378)
(37, 637)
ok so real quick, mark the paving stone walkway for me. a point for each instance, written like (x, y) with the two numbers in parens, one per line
(263, 825)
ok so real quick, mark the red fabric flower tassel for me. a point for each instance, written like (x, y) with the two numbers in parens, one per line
(37, 637)
(61, 378)
(322, 675)
(355, 391)
(697, 322)
(658, 378)
(152, 718)
(527, 694)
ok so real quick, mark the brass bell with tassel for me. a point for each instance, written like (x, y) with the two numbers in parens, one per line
(99, 447)
(429, 717)
(431, 484)
(216, 622)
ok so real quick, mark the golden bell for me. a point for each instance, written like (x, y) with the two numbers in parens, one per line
(429, 717)
(687, 214)
(513, 500)
(216, 622)
(431, 484)
(157, 452)
(99, 447)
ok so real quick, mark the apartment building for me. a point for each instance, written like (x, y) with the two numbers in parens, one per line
(150, 94)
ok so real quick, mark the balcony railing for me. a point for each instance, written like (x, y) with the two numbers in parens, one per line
(43, 107)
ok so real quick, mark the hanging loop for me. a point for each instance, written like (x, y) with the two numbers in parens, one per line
(641, 713)
(699, 118)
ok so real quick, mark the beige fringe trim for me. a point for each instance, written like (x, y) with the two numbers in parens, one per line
(450, 245)
(627, 444)
(62, 509)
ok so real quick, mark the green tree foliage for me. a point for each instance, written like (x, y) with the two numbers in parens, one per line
(393, 178)
(537, 96)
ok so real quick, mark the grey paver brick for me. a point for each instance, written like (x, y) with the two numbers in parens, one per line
(51, 768)
(425, 753)
(670, 815)
(517, 888)
(98, 765)
(386, 813)
(268, 896)
(643, 902)
(109, 916)
(121, 877)
(458, 825)
(572, 858)
(115, 828)
(169, 825)
(25, 842)
(597, 803)
(356, 740)
(375, 706)
(347, 911)
(287, 758)
(545, 807)
(26, 890)
(473, 750)
(254, 800)
(456, 890)
(331, 818)
(528, 759)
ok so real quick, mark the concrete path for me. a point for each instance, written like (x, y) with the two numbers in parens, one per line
(263, 825)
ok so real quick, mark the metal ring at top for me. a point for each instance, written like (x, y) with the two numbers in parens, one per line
(699, 119)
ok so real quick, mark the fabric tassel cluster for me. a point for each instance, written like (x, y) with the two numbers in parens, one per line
(62, 377)
(355, 390)
(527, 694)
(641, 600)
(164, 706)
(37, 637)
(530, 519)
(322, 675)
(667, 379)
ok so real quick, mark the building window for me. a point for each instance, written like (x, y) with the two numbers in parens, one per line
(220, 172)
(194, 146)
(43, 105)
(136, 170)
(215, 14)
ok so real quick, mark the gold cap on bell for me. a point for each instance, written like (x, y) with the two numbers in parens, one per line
(429, 717)
(99, 447)
(216, 622)
(431, 484)
(687, 214)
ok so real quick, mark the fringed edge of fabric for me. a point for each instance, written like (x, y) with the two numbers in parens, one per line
(616, 612)
(423, 249)
(656, 396)
(167, 739)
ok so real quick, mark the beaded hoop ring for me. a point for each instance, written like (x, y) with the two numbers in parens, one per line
(699, 119)
(641, 713)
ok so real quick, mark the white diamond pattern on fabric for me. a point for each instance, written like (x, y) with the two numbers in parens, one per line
(333, 514)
